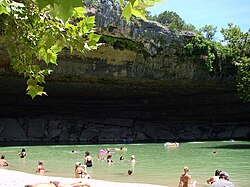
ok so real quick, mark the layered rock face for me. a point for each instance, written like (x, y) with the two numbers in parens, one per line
(101, 113)
(141, 87)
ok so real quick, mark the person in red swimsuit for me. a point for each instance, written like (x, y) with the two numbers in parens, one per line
(40, 168)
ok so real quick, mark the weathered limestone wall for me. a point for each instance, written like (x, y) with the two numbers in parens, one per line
(100, 113)
(142, 88)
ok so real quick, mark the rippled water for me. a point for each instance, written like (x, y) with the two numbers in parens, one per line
(155, 164)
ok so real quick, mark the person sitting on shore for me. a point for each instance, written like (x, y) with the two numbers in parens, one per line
(213, 179)
(59, 184)
(185, 179)
(223, 180)
(3, 162)
(22, 154)
(81, 171)
(40, 169)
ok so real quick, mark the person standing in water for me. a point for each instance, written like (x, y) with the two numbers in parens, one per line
(88, 160)
(40, 169)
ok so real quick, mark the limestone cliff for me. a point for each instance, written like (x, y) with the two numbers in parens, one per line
(140, 86)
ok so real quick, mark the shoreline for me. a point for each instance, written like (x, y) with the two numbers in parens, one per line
(11, 178)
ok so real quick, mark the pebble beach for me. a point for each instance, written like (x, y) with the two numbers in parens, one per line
(11, 178)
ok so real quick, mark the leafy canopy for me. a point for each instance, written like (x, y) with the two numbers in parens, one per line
(35, 31)
(238, 44)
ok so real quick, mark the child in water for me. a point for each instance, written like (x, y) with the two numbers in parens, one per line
(40, 168)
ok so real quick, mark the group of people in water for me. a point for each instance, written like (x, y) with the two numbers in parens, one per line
(81, 171)
(220, 178)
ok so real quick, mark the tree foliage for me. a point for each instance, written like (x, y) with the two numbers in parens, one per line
(238, 44)
(35, 31)
(172, 20)
(208, 32)
(232, 57)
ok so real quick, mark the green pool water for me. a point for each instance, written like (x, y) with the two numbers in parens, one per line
(155, 164)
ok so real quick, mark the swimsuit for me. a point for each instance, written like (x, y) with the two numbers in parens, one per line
(56, 183)
(89, 163)
(39, 169)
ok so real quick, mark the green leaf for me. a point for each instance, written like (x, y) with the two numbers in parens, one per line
(138, 13)
(43, 3)
(94, 37)
(127, 12)
(31, 82)
(90, 22)
(121, 2)
(136, 2)
(51, 57)
(58, 46)
(3, 10)
(62, 11)
(40, 78)
(42, 53)
(79, 12)
(33, 91)
(76, 3)
(35, 68)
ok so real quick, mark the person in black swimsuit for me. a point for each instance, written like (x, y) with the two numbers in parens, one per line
(88, 160)
(22, 154)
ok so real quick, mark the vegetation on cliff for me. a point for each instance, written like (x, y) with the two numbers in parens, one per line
(35, 31)
(229, 57)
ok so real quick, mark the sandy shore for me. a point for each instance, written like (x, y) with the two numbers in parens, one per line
(10, 178)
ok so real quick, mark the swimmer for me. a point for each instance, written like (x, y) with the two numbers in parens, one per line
(3, 162)
(121, 158)
(130, 171)
(109, 159)
(132, 159)
(22, 154)
(100, 157)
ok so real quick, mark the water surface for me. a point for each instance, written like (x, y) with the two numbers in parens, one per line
(155, 164)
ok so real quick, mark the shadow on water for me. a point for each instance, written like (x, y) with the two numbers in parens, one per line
(231, 146)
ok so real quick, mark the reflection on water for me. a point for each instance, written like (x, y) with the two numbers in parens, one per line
(155, 163)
